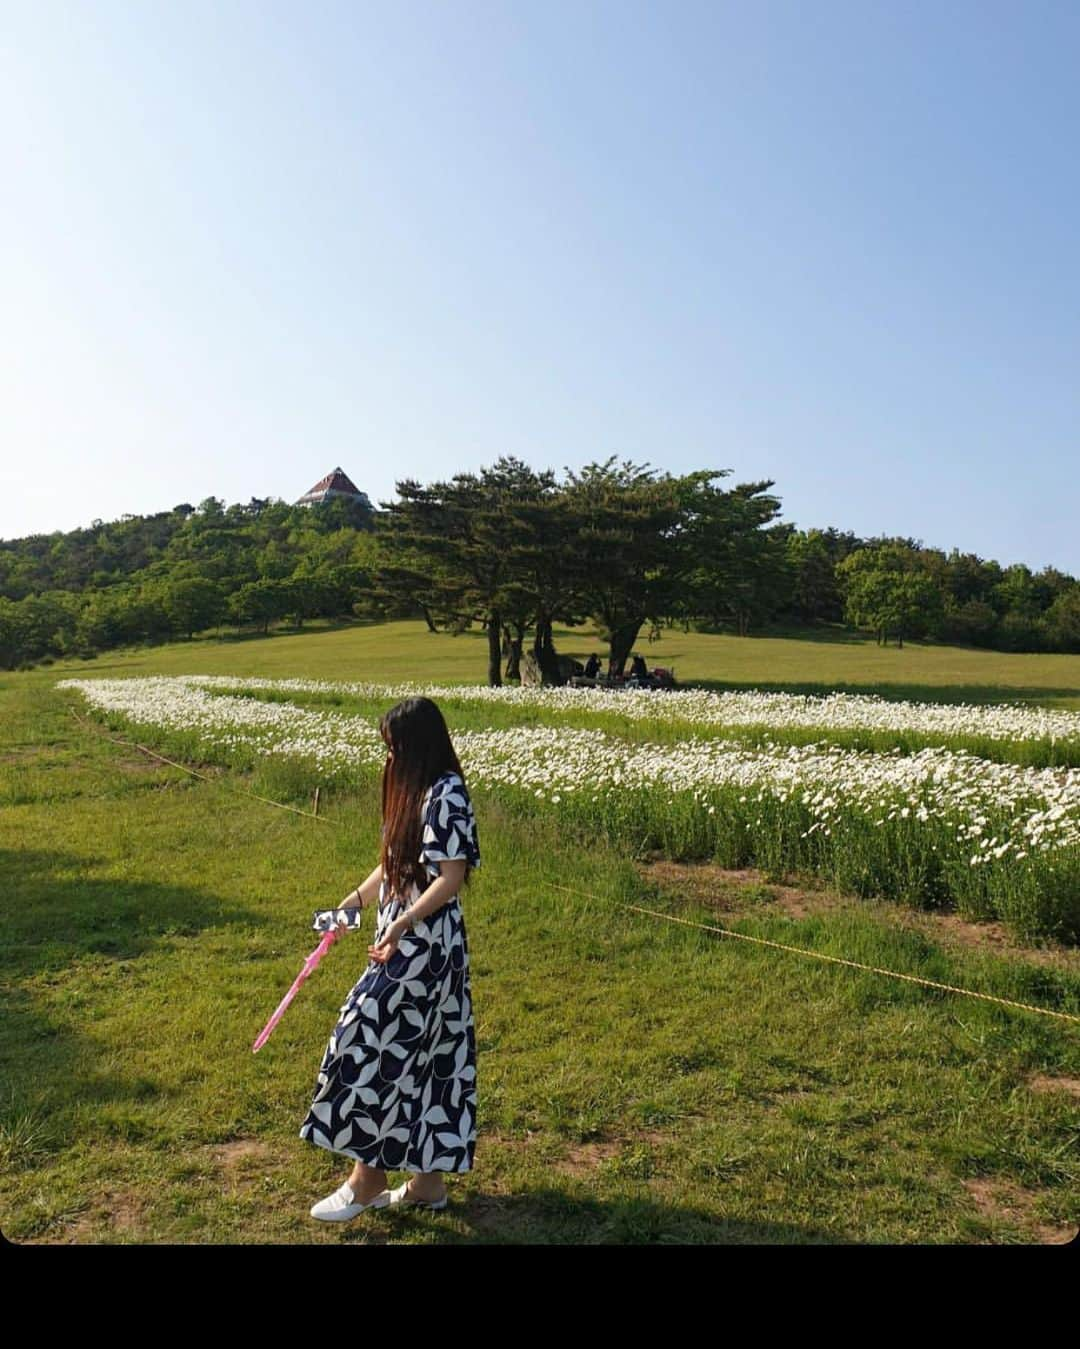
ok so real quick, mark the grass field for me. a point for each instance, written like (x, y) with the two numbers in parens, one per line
(817, 663)
(639, 1081)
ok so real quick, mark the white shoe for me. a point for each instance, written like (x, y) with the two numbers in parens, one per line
(340, 1206)
(399, 1196)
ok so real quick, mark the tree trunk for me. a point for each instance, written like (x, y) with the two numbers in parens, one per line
(621, 644)
(494, 631)
(545, 653)
(427, 618)
(515, 640)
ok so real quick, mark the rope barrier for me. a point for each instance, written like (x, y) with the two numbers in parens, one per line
(835, 960)
(217, 782)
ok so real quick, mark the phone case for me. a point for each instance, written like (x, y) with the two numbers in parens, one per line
(325, 919)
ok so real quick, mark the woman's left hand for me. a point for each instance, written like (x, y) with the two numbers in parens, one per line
(389, 943)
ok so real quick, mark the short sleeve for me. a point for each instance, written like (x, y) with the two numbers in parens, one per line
(449, 832)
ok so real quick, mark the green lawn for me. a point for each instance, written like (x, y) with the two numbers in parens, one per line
(831, 660)
(639, 1081)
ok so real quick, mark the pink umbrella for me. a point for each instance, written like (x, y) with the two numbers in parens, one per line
(310, 965)
(327, 921)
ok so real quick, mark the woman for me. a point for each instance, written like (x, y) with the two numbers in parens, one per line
(397, 1086)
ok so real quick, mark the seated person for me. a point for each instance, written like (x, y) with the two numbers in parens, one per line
(637, 668)
(592, 666)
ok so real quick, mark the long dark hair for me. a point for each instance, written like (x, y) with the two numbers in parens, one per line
(415, 733)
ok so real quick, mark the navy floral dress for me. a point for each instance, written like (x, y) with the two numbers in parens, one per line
(397, 1085)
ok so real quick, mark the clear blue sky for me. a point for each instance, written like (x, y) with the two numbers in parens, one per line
(833, 244)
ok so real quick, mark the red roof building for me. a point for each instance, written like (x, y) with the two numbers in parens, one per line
(336, 484)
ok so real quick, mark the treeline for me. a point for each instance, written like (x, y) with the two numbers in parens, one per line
(516, 552)
(159, 577)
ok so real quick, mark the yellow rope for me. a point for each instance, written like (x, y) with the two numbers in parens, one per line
(836, 960)
(218, 782)
(671, 918)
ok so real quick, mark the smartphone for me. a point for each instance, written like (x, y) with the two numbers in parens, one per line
(326, 919)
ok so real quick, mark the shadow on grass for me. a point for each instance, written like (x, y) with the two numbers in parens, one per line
(827, 636)
(64, 933)
(554, 1217)
(200, 640)
(918, 693)
(57, 911)
(257, 635)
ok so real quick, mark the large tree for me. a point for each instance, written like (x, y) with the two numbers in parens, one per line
(888, 590)
(814, 595)
(737, 570)
(537, 588)
(446, 545)
(488, 548)
(624, 547)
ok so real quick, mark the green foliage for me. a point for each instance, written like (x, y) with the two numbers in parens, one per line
(513, 551)
(739, 571)
(621, 548)
(178, 573)
(889, 590)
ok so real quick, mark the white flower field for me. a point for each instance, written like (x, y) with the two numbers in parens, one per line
(929, 825)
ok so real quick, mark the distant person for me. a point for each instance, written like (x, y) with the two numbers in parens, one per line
(592, 666)
(637, 668)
